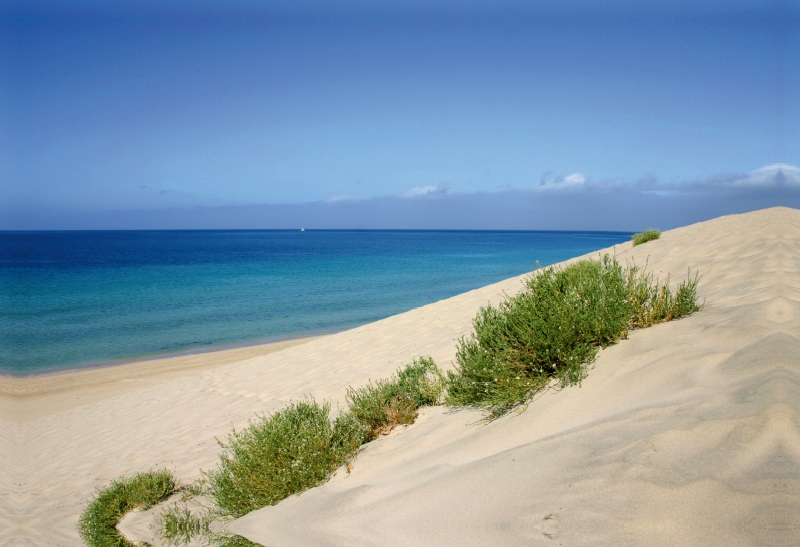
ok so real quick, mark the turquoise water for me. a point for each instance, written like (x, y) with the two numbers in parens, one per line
(72, 299)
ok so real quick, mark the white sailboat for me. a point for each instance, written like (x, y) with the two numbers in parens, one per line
(302, 229)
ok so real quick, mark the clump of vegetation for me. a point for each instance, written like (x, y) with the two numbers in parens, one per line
(98, 523)
(299, 447)
(279, 455)
(197, 487)
(643, 237)
(234, 541)
(651, 302)
(554, 329)
(381, 406)
(179, 525)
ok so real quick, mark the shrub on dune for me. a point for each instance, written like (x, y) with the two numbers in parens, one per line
(299, 447)
(381, 406)
(651, 302)
(554, 328)
(643, 237)
(279, 455)
(98, 522)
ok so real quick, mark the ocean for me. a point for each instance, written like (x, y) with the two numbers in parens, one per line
(74, 299)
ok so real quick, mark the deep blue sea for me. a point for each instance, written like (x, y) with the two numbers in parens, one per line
(71, 299)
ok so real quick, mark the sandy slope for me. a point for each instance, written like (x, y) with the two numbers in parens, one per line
(685, 432)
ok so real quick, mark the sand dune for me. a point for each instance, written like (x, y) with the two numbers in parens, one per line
(685, 434)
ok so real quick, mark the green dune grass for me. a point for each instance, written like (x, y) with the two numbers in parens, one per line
(98, 523)
(643, 237)
(554, 328)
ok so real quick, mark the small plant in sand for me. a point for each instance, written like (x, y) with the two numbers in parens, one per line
(643, 237)
(381, 406)
(279, 455)
(98, 523)
(651, 302)
(234, 541)
(179, 524)
(554, 328)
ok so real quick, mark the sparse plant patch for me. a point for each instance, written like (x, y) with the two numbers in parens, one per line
(179, 525)
(195, 488)
(643, 237)
(381, 406)
(651, 302)
(234, 541)
(554, 329)
(97, 524)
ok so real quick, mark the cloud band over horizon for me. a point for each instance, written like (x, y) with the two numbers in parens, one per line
(572, 202)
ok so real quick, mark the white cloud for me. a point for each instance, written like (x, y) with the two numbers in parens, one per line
(575, 178)
(777, 174)
(774, 176)
(574, 181)
(342, 197)
(425, 191)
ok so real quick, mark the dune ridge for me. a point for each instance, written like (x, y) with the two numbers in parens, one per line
(684, 434)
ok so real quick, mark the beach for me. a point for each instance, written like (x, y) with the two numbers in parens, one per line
(34, 396)
(684, 434)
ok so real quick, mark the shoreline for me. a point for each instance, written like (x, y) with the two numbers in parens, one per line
(99, 365)
(30, 397)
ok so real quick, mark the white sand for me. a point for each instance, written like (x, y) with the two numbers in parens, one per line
(686, 434)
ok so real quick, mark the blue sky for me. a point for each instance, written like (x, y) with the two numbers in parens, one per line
(210, 109)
